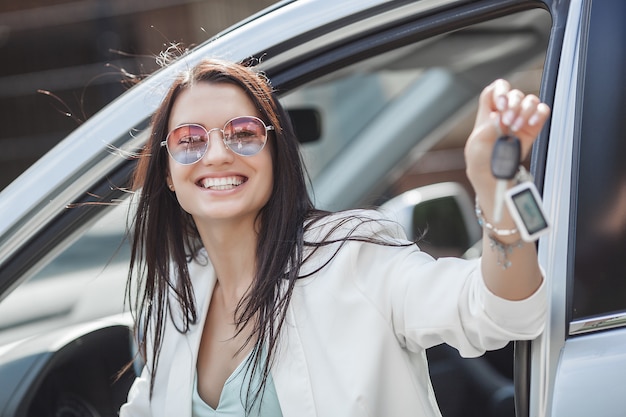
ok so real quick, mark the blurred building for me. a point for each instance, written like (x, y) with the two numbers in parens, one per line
(63, 60)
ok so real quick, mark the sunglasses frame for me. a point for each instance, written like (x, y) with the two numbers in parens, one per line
(208, 142)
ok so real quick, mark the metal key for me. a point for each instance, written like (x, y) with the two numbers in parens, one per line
(505, 160)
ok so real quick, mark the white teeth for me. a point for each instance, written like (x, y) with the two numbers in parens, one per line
(223, 183)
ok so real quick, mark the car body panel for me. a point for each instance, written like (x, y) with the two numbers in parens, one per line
(590, 377)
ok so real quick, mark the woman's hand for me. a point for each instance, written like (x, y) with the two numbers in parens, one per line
(500, 110)
(509, 265)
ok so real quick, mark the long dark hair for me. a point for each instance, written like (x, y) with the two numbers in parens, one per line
(165, 238)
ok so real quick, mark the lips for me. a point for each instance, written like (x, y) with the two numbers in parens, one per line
(222, 183)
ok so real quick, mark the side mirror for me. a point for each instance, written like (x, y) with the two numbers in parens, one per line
(307, 123)
(442, 215)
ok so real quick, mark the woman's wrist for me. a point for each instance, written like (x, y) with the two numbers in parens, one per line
(497, 230)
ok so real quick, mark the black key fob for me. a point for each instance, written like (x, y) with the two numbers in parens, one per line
(505, 158)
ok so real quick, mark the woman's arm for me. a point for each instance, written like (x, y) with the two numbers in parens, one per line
(509, 265)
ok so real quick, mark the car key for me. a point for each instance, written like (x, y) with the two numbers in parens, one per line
(505, 161)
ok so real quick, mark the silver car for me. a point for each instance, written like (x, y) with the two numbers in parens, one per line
(383, 94)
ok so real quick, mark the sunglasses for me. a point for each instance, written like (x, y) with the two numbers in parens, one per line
(245, 136)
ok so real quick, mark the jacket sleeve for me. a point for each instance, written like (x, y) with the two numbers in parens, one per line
(429, 302)
(448, 302)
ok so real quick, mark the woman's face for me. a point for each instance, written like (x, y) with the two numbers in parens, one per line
(221, 186)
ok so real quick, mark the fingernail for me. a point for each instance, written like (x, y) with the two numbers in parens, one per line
(507, 118)
(501, 103)
(517, 125)
(533, 119)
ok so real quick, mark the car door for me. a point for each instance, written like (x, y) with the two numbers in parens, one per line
(577, 365)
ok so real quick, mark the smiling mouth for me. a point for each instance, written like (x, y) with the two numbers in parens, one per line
(220, 184)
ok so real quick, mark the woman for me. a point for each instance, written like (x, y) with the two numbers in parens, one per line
(252, 302)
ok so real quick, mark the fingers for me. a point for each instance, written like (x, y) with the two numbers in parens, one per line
(501, 88)
(539, 117)
(525, 114)
(513, 108)
(520, 113)
(526, 110)
(493, 99)
(504, 110)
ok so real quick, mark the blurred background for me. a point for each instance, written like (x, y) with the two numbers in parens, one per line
(63, 60)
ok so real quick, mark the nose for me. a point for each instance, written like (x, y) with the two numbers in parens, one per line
(217, 153)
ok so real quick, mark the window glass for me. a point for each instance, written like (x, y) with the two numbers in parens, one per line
(600, 265)
(399, 120)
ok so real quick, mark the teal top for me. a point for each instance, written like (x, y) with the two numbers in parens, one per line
(233, 397)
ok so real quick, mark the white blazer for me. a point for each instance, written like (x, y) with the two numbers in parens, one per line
(354, 340)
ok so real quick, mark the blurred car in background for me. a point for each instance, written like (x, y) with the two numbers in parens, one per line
(383, 96)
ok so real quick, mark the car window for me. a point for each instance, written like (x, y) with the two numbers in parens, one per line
(599, 273)
(390, 123)
(399, 120)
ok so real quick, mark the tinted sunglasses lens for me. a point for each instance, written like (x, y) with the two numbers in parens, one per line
(187, 144)
(245, 136)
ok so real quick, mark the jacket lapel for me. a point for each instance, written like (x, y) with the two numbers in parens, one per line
(184, 353)
(290, 372)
